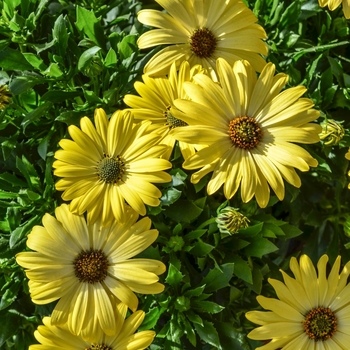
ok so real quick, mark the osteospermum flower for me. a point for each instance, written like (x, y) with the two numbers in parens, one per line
(200, 32)
(333, 4)
(110, 163)
(89, 269)
(312, 312)
(53, 337)
(155, 103)
(249, 127)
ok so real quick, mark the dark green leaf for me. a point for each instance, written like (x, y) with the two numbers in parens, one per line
(217, 279)
(208, 333)
(260, 246)
(13, 60)
(174, 276)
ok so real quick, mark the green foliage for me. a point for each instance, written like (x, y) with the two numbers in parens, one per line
(61, 60)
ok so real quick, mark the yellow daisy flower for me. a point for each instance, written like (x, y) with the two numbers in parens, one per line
(312, 312)
(249, 127)
(155, 103)
(200, 31)
(333, 4)
(51, 337)
(89, 269)
(108, 164)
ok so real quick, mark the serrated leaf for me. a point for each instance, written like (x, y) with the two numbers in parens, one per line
(151, 318)
(201, 248)
(217, 279)
(290, 231)
(183, 211)
(174, 276)
(91, 26)
(59, 33)
(170, 196)
(190, 334)
(21, 231)
(260, 246)
(194, 292)
(242, 269)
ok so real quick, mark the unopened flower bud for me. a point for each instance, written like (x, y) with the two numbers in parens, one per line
(5, 97)
(230, 220)
(332, 132)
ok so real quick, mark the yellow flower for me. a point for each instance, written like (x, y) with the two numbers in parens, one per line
(155, 103)
(52, 337)
(312, 311)
(249, 127)
(108, 164)
(89, 269)
(200, 31)
(333, 4)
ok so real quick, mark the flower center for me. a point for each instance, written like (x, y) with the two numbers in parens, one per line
(245, 132)
(110, 170)
(203, 42)
(320, 324)
(98, 347)
(91, 266)
(171, 121)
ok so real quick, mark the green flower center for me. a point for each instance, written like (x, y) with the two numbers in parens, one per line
(320, 324)
(171, 121)
(91, 266)
(110, 170)
(98, 347)
(203, 43)
(245, 132)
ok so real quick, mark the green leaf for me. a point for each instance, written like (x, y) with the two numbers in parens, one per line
(87, 56)
(36, 114)
(10, 322)
(90, 25)
(170, 196)
(290, 231)
(10, 294)
(201, 248)
(35, 61)
(217, 279)
(151, 318)
(208, 333)
(183, 211)
(21, 84)
(127, 46)
(174, 276)
(190, 333)
(251, 231)
(207, 306)
(242, 269)
(194, 292)
(290, 15)
(260, 246)
(111, 59)
(13, 60)
(53, 70)
(28, 171)
(59, 33)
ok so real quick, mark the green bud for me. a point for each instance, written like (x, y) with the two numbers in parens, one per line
(5, 97)
(332, 132)
(230, 220)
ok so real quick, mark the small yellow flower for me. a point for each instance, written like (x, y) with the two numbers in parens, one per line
(200, 31)
(311, 312)
(89, 270)
(333, 4)
(109, 164)
(156, 103)
(52, 337)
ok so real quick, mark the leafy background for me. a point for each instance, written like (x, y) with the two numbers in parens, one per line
(61, 60)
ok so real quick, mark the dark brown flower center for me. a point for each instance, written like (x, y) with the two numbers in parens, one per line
(98, 347)
(171, 121)
(203, 43)
(320, 324)
(91, 266)
(110, 170)
(245, 132)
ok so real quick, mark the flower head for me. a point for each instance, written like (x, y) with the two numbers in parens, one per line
(312, 312)
(200, 32)
(52, 337)
(333, 4)
(156, 103)
(89, 269)
(109, 164)
(249, 128)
